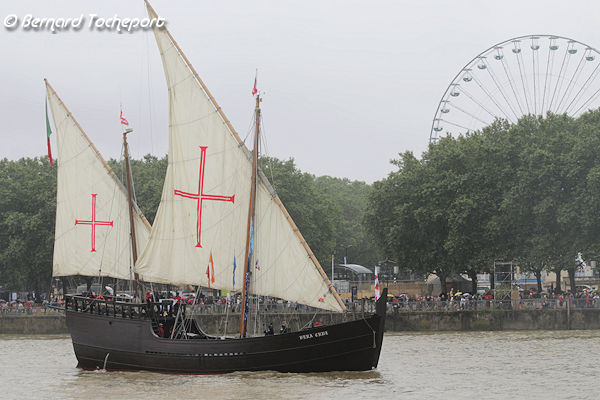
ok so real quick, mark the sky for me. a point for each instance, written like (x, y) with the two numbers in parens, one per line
(347, 85)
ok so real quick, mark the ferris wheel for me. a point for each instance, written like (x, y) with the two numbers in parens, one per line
(525, 75)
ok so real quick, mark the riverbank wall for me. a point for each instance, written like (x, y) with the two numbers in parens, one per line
(430, 321)
(41, 324)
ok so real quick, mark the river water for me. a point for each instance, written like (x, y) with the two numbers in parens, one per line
(478, 365)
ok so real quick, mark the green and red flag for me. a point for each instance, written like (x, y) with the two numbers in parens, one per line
(48, 133)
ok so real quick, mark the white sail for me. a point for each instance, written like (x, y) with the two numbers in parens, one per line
(205, 201)
(92, 215)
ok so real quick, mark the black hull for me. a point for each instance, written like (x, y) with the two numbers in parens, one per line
(130, 344)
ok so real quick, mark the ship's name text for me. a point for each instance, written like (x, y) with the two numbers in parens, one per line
(313, 335)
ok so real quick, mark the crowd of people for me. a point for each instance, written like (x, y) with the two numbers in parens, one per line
(527, 299)
(30, 303)
(451, 301)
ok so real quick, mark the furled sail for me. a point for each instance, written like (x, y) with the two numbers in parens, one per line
(92, 217)
(205, 200)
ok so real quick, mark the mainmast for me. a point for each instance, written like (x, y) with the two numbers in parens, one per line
(131, 211)
(250, 228)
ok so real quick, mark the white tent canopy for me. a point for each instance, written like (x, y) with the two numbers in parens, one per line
(359, 269)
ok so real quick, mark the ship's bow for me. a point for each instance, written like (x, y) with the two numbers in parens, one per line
(380, 311)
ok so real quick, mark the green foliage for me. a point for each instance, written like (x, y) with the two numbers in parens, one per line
(350, 197)
(529, 191)
(27, 210)
(328, 212)
(148, 178)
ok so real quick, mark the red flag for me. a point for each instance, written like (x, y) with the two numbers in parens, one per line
(123, 120)
(254, 91)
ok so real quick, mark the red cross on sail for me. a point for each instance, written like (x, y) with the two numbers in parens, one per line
(93, 222)
(201, 196)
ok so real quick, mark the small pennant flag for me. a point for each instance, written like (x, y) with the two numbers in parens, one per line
(321, 300)
(48, 133)
(123, 120)
(256, 265)
(254, 90)
(234, 267)
(210, 270)
(377, 295)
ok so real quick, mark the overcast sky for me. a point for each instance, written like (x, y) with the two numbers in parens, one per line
(347, 84)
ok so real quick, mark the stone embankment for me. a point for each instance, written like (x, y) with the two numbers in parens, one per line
(36, 324)
(496, 320)
(432, 321)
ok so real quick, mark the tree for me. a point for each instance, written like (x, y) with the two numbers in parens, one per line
(407, 216)
(148, 179)
(528, 191)
(27, 213)
(315, 213)
(351, 199)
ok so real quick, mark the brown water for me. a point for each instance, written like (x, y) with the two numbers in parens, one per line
(490, 365)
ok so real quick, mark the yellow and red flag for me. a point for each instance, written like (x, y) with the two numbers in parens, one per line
(210, 270)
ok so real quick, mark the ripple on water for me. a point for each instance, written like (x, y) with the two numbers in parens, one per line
(490, 365)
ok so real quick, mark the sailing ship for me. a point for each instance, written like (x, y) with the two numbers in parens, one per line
(216, 207)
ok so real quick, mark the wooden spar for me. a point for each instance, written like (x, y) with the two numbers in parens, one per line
(131, 222)
(242, 145)
(108, 169)
(251, 208)
(191, 67)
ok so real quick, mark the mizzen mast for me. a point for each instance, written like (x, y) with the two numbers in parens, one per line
(250, 229)
(131, 211)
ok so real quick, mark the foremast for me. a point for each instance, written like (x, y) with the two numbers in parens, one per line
(250, 229)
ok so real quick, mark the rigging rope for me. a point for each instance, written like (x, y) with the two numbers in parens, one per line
(146, 34)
